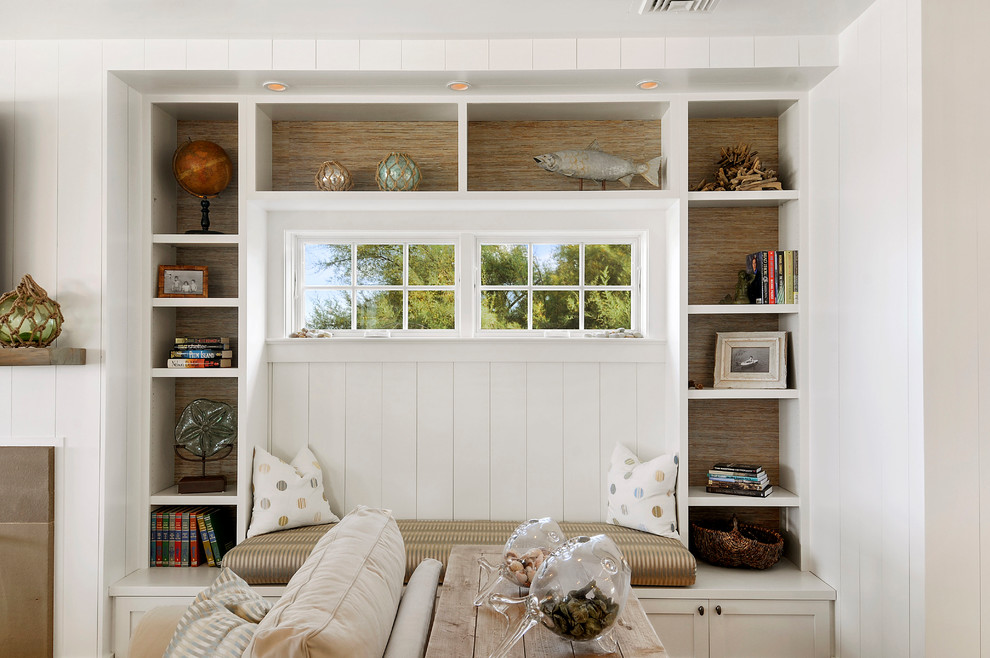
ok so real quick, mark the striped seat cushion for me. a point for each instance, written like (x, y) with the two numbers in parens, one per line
(272, 558)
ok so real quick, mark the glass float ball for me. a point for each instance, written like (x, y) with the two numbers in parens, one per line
(397, 172)
(202, 168)
(334, 177)
(28, 317)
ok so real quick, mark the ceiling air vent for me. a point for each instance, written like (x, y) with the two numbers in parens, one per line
(677, 6)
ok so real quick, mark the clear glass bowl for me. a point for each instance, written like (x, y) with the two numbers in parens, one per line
(525, 551)
(578, 593)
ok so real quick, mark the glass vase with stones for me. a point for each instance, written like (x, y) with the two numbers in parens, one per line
(578, 593)
(524, 552)
(206, 430)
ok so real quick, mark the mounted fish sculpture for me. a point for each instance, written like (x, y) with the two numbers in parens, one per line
(594, 164)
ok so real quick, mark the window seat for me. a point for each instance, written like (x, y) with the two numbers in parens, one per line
(272, 559)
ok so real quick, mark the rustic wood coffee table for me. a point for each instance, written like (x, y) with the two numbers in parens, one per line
(461, 630)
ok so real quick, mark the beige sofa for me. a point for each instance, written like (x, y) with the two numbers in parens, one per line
(346, 599)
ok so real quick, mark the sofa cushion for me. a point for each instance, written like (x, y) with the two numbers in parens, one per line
(412, 621)
(220, 622)
(272, 559)
(342, 600)
(155, 631)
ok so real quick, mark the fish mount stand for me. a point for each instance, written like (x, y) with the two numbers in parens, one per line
(592, 163)
(204, 221)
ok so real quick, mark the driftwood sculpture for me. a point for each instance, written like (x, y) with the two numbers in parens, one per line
(740, 169)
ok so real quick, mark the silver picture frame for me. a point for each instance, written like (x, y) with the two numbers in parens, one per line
(751, 359)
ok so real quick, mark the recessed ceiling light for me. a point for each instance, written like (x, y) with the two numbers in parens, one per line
(648, 84)
(274, 85)
(458, 85)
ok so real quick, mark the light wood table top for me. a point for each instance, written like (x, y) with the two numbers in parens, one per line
(461, 630)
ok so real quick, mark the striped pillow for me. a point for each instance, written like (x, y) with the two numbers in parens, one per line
(220, 622)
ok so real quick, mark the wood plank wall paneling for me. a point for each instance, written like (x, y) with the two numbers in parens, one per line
(713, 265)
(327, 434)
(223, 209)
(505, 151)
(508, 441)
(472, 439)
(707, 138)
(732, 430)
(363, 419)
(300, 147)
(435, 441)
(219, 389)
(221, 267)
(703, 330)
(467, 440)
(399, 427)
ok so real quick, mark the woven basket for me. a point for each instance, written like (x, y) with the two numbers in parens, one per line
(742, 545)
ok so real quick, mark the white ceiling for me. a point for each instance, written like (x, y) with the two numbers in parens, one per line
(410, 19)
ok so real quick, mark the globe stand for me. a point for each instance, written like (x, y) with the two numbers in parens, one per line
(204, 222)
(203, 483)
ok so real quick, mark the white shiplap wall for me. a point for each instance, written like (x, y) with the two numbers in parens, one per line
(867, 487)
(468, 439)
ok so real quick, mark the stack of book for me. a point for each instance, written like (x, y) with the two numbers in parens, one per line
(775, 277)
(738, 479)
(201, 352)
(190, 536)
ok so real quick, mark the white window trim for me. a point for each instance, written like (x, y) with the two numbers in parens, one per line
(467, 285)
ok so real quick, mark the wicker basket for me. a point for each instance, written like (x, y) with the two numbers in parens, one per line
(742, 545)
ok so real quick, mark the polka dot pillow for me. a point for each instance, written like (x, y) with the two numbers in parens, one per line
(287, 495)
(641, 494)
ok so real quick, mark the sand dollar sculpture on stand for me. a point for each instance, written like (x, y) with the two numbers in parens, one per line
(207, 430)
(28, 316)
(204, 170)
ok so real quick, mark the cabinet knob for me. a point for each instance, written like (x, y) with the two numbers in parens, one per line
(701, 610)
(718, 610)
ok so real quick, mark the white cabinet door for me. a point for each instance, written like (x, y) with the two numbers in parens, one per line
(769, 629)
(681, 625)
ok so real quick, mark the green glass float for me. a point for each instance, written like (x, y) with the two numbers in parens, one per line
(28, 317)
(398, 172)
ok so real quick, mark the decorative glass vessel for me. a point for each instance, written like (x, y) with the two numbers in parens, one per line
(525, 551)
(578, 593)
(397, 172)
(28, 317)
(334, 177)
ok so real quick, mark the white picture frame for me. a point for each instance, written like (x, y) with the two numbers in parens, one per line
(751, 359)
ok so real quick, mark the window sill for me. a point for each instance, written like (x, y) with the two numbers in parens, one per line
(453, 349)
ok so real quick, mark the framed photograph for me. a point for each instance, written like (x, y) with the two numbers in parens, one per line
(751, 359)
(182, 281)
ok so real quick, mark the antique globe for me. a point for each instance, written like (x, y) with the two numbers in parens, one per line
(524, 553)
(578, 593)
(203, 169)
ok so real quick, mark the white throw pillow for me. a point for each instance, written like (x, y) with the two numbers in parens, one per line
(641, 494)
(288, 495)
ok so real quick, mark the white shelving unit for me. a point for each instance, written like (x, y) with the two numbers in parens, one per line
(269, 181)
